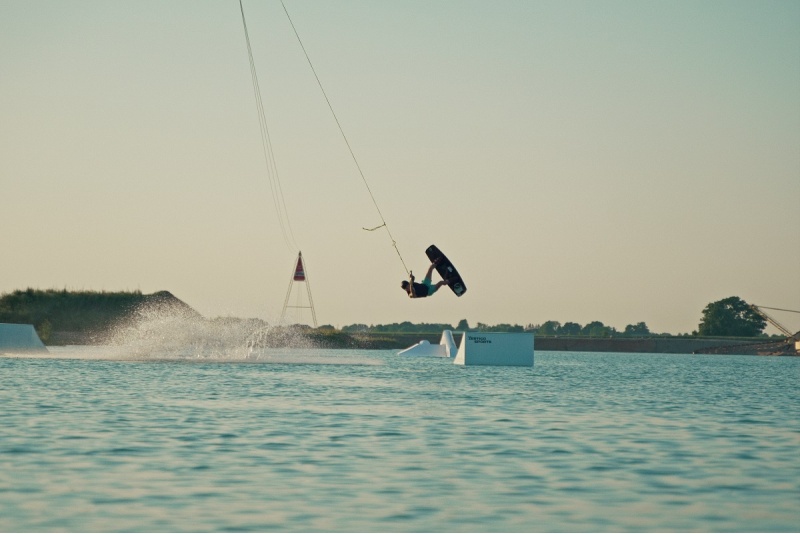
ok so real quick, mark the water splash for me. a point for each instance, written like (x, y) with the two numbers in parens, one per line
(158, 331)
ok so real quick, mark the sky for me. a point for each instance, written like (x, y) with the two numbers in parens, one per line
(613, 161)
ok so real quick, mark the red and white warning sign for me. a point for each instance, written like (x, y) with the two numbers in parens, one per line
(299, 272)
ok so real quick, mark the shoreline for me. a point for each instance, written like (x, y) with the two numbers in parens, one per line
(400, 341)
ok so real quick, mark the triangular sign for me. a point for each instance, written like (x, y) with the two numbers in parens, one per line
(299, 272)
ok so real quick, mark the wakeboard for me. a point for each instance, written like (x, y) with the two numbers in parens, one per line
(446, 270)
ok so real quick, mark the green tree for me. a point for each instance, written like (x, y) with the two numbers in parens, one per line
(462, 325)
(638, 329)
(731, 317)
(570, 329)
(598, 329)
(504, 327)
(549, 328)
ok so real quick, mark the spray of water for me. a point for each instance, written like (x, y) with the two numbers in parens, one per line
(160, 331)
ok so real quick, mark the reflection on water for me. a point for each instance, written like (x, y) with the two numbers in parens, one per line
(601, 442)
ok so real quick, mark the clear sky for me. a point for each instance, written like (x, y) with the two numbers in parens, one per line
(614, 161)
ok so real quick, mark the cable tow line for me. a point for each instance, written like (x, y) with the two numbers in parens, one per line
(276, 189)
(346, 141)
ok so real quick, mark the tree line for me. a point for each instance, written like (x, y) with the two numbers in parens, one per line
(729, 317)
(549, 328)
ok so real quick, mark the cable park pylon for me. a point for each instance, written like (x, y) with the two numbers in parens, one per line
(299, 275)
(276, 190)
(278, 200)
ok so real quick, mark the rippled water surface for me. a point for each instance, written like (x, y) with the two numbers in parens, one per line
(316, 440)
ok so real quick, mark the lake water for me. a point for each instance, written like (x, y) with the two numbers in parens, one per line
(327, 440)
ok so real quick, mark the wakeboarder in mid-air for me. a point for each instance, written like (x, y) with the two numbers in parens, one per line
(426, 288)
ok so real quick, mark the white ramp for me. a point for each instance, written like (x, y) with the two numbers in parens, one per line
(493, 348)
(445, 349)
(449, 343)
(424, 348)
(20, 338)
